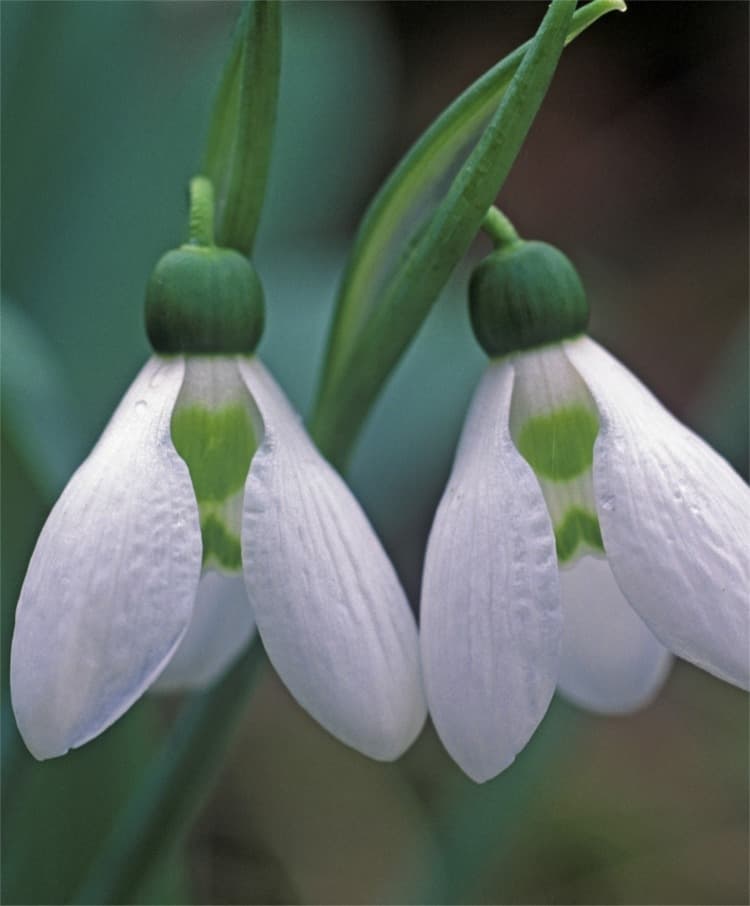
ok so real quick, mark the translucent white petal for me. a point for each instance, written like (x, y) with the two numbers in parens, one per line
(221, 627)
(611, 662)
(111, 584)
(675, 519)
(491, 620)
(330, 610)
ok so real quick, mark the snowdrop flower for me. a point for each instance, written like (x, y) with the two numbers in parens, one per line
(584, 534)
(203, 510)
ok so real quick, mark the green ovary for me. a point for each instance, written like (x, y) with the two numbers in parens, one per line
(560, 445)
(578, 527)
(217, 446)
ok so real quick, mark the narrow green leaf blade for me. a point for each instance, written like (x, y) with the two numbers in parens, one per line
(400, 207)
(238, 149)
(426, 266)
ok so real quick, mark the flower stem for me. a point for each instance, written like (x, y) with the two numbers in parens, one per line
(201, 211)
(500, 230)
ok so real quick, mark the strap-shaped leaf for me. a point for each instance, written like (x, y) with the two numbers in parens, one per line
(238, 150)
(400, 238)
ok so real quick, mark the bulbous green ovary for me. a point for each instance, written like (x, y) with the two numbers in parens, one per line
(204, 301)
(523, 296)
(217, 446)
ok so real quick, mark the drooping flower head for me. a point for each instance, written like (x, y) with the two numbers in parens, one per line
(203, 511)
(584, 533)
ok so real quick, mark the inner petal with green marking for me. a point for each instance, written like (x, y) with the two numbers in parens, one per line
(554, 424)
(213, 430)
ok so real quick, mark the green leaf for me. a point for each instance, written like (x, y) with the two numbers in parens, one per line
(400, 239)
(238, 150)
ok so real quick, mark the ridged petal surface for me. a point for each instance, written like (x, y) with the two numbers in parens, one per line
(328, 604)
(111, 584)
(675, 519)
(490, 620)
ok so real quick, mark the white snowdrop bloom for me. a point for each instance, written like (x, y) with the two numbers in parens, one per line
(203, 511)
(583, 536)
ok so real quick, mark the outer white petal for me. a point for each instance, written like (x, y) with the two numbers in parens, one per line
(491, 620)
(111, 584)
(221, 627)
(611, 662)
(329, 607)
(675, 519)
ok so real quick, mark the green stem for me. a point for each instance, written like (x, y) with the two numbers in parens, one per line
(201, 211)
(500, 230)
(173, 788)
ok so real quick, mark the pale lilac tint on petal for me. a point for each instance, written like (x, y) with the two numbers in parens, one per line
(110, 587)
(328, 604)
(675, 520)
(611, 662)
(220, 630)
(490, 620)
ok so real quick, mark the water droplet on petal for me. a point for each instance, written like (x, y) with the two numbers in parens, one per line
(141, 406)
(607, 503)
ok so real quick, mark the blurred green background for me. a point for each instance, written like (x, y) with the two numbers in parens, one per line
(637, 168)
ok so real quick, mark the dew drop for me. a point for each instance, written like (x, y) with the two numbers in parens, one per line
(141, 406)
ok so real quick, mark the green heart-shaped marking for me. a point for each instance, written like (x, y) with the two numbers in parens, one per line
(560, 445)
(577, 527)
(217, 445)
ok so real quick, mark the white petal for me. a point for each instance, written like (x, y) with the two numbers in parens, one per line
(611, 662)
(111, 584)
(675, 520)
(329, 607)
(221, 627)
(490, 621)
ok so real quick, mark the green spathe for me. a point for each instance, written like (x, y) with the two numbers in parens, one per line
(524, 295)
(559, 446)
(217, 445)
(204, 300)
(578, 527)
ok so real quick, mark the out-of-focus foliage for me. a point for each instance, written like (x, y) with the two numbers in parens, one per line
(636, 169)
